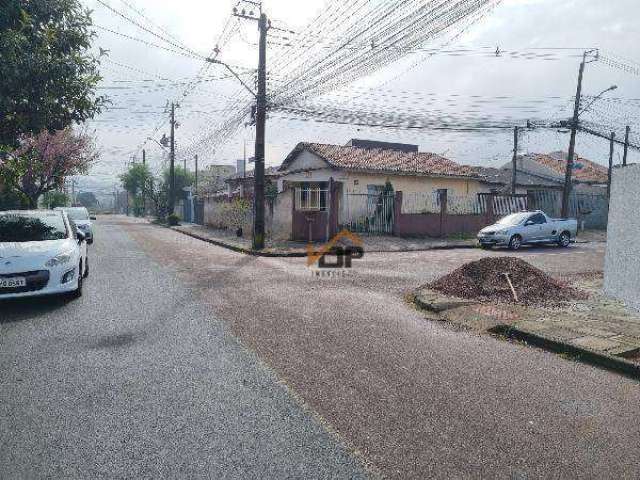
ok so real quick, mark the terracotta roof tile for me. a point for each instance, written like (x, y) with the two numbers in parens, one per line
(388, 161)
(584, 170)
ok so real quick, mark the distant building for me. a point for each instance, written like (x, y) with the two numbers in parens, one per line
(212, 178)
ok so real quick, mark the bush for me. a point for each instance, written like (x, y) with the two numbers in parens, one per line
(173, 220)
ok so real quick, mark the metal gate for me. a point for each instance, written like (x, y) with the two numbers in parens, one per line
(368, 213)
(198, 207)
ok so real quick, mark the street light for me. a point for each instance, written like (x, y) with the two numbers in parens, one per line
(162, 145)
(596, 98)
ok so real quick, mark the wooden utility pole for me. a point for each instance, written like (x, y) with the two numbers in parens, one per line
(261, 116)
(572, 141)
(196, 179)
(144, 186)
(626, 145)
(611, 145)
(514, 161)
(172, 158)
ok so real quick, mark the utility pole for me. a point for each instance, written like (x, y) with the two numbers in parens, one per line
(196, 179)
(172, 158)
(626, 146)
(261, 116)
(144, 185)
(611, 145)
(514, 160)
(572, 141)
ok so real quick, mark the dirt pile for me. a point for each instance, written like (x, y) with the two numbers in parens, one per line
(485, 280)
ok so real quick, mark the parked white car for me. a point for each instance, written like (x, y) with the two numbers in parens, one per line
(41, 253)
(80, 216)
(526, 228)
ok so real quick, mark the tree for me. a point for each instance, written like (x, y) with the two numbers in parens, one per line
(55, 199)
(41, 162)
(48, 74)
(87, 200)
(138, 181)
(184, 178)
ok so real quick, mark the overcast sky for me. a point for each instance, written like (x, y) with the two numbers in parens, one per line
(140, 79)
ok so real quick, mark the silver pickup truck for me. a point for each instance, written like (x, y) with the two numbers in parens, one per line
(525, 228)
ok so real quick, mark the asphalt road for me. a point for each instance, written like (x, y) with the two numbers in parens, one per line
(140, 379)
(415, 397)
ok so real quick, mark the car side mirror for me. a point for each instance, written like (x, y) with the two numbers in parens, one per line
(92, 217)
(80, 236)
(528, 223)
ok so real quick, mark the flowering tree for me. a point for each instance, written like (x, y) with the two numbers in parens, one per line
(41, 162)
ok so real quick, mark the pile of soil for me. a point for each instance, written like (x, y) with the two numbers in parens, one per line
(484, 280)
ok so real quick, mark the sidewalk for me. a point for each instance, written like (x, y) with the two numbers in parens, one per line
(599, 330)
(372, 244)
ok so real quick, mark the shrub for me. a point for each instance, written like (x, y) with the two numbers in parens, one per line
(173, 220)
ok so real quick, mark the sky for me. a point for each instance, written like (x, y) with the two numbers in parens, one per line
(535, 77)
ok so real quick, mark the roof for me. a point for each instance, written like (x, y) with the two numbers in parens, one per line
(502, 176)
(583, 170)
(268, 172)
(381, 160)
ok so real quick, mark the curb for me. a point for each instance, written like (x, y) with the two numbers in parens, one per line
(584, 355)
(609, 362)
(255, 253)
(235, 248)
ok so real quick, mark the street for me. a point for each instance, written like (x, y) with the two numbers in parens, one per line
(186, 360)
(138, 379)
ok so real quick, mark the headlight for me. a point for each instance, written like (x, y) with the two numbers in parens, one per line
(60, 259)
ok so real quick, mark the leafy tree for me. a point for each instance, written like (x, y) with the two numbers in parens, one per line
(184, 178)
(137, 179)
(48, 74)
(55, 199)
(87, 200)
(41, 162)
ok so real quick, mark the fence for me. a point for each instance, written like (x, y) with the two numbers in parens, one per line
(590, 209)
(368, 213)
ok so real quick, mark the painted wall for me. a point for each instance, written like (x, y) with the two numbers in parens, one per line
(278, 218)
(622, 260)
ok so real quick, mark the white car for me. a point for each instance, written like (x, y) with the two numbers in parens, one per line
(41, 253)
(80, 216)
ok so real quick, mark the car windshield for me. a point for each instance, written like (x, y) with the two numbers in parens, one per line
(513, 219)
(32, 227)
(76, 214)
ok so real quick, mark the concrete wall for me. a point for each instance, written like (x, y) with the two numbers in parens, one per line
(622, 260)
(279, 216)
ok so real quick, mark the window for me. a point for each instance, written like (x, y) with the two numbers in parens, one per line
(538, 219)
(311, 197)
(32, 227)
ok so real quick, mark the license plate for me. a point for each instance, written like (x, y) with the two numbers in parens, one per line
(13, 282)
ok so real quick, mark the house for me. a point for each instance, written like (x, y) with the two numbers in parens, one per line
(212, 178)
(541, 177)
(348, 185)
(241, 183)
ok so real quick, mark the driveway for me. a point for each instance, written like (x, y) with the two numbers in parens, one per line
(141, 379)
(417, 399)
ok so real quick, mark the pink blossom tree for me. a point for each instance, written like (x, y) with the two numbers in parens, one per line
(42, 162)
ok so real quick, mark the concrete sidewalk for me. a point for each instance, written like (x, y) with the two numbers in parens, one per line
(372, 244)
(600, 330)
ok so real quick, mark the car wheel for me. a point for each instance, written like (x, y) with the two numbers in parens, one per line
(77, 293)
(86, 268)
(564, 240)
(515, 243)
